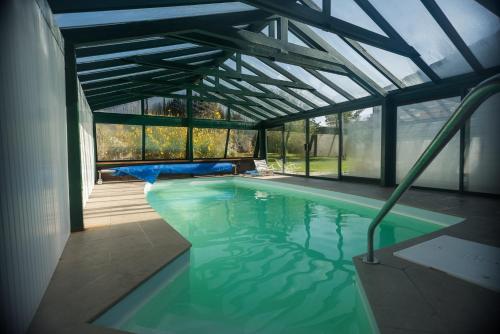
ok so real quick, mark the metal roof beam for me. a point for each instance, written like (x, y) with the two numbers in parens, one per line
(315, 40)
(259, 45)
(77, 6)
(122, 31)
(305, 14)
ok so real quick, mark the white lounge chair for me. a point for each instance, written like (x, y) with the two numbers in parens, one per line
(262, 168)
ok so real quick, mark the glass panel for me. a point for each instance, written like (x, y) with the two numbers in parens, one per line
(265, 112)
(274, 138)
(164, 142)
(292, 99)
(349, 11)
(482, 156)
(346, 84)
(147, 14)
(266, 105)
(250, 110)
(311, 80)
(265, 31)
(479, 28)
(417, 126)
(209, 143)
(401, 67)
(228, 85)
(263, 68)
(283, 105)
(241, 143)
(292, 38)
(250, 87)
(132, 108)
(209, 110)
(161, 106)
(231, 64)
(237, 116)
(310, 97)
(295, 139)
(362, 142)
(352, 56)
(118, 142)
(318, 3)
(416, 25)
(324, 146)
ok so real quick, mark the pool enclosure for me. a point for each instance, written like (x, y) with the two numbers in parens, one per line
(345, 90)
(349, 90)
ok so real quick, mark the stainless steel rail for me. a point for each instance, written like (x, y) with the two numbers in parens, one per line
(464, 111)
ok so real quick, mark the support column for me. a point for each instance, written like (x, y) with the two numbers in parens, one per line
(189, 103)
(389, 133)
(262, 144)
(306, 146)
(73, 137)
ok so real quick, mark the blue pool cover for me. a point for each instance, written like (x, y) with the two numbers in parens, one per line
(149, 173)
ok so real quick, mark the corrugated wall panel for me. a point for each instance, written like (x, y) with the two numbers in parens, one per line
(87, 145)
(34, 198)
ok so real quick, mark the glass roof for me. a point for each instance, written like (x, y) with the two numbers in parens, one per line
(427, 37)
(147, 14)
(401, 67)
(349, 11)
(360, 64)
(478, 27)
(352, 56)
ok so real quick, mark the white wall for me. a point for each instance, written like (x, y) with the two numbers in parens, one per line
(34, 201)
(86, 145)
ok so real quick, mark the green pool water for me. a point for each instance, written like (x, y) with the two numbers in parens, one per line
(265, 258)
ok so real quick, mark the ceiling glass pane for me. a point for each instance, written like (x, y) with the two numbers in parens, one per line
(249, 86)
(353, 57)
(147, 14)
(264, 112)
(294, 39)
(349, 11)
(346, 84)
(318, 3)
(284, 105)
(478, 27)
(416, 25)
(265, 31)
(231, 64)
(266, 105)
(311, 80)
(227, 84)
(401, 67)
(292, 99)
(310, 97)
(263, 68)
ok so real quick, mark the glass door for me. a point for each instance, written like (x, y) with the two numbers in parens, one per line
(295, 142)
(324, 139)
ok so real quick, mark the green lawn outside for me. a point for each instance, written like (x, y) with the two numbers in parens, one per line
(318, 165)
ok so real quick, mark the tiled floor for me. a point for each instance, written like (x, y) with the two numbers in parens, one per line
(126, 242)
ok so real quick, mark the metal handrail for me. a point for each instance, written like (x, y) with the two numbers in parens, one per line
(466, 108)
